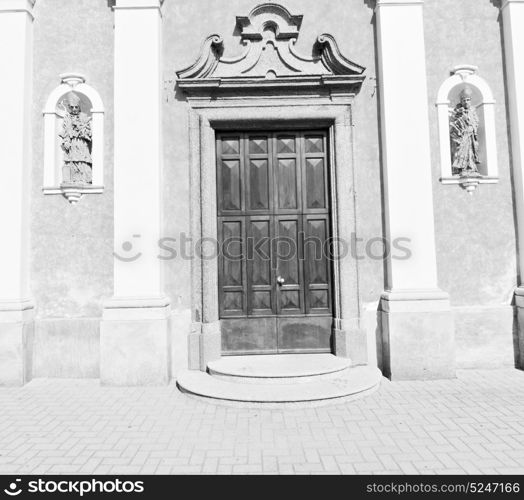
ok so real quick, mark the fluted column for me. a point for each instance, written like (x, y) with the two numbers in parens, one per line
(418, 339)
(16, 308)
(134, 333)
(513, 22)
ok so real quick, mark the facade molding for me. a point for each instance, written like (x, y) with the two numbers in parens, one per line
(506, 3)
(269, 85)
(223, 114)
(18, 6)
(286, 25)
(398, 3)
(138, 4)
(270, 60)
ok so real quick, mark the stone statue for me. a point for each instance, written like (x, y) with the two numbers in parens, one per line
(76, 142)
(464, 124)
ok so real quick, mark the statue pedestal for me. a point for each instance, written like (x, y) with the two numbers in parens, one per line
(470, 181)
(73, 192)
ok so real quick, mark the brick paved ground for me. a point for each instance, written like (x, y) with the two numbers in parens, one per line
(474, 424)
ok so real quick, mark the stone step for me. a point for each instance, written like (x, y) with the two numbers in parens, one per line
(349, 382)
(277, 369)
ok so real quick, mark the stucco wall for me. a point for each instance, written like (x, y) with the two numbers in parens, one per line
(71, 262)
(475, 235)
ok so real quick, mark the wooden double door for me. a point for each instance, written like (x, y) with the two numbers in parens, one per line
(275, 269)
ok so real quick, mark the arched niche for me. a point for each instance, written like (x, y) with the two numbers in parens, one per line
(54, 112)
(482, 100)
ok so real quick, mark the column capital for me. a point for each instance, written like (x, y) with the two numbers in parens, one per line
(506, 3)
(7, 6)
(398, 3)
(138, 4)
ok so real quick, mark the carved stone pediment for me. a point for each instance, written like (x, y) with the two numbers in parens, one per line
(269, 58)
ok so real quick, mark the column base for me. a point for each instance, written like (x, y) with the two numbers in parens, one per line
(519, 302)
(418, 335)
(350, 341)
(16, 342)
(135, 342)
(205, 345)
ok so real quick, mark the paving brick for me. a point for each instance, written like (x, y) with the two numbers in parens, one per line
(472, 424)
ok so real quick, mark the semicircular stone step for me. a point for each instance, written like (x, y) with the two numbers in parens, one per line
(349, 382)
(279, 368)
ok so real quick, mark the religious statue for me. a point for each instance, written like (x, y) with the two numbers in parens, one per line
(464, 124)
(76, 142)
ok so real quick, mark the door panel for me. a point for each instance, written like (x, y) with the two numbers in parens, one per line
(287, 184)
(259, 270)
(232, 267)
(289, 265)
(286, 143)
(304, 334)
(258, 144)
(258, 175)
(318, 268)
(274, 228)
(231, 185)
(315, 183)
(249, 335)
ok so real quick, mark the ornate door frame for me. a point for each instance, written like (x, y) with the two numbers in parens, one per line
(287, 91)
(205, 338)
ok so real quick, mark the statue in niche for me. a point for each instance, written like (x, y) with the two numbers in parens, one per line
(464, 124)
(76, 138)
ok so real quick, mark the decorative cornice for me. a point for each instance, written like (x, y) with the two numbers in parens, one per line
(333, 59)
(286, 26)
(270, 60)
(207, 61)
(72, 79)
(351, 83)
(464, 70)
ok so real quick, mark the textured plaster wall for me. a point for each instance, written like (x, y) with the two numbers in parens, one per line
(476, 246)
(186, 24)
(71, 261)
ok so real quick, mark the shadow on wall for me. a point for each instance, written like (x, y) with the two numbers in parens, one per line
(518, 341)
(382, 348)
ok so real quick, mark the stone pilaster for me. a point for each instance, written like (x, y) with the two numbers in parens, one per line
(16, 308)
(417, 325)
(135, 328)
(513, 21)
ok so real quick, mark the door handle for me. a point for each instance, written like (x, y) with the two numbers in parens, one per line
(280, 280)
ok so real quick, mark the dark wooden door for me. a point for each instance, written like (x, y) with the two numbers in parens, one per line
(274, 238)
